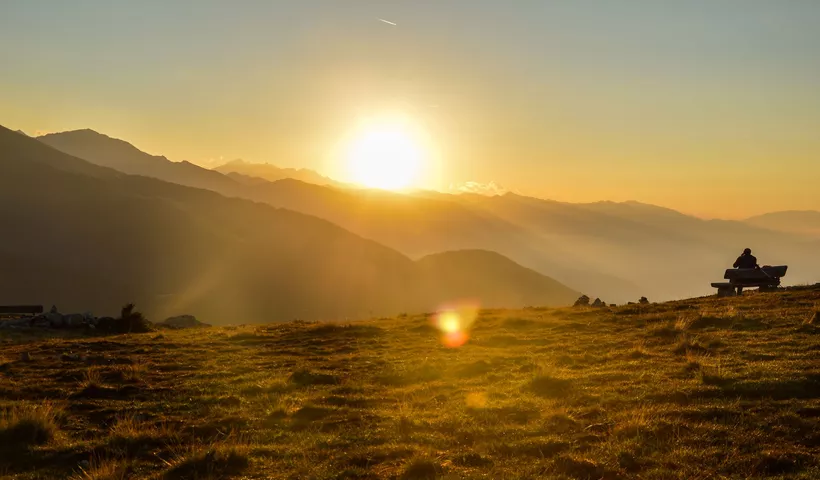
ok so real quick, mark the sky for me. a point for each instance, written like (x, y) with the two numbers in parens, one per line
(709, 107)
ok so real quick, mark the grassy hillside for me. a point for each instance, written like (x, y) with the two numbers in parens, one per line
(86, 237)
(702, 388)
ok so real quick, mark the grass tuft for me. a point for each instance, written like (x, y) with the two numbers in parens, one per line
(24, 427)
(421, 469)
(214, 462)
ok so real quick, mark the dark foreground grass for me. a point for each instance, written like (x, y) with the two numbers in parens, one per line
(703, 388)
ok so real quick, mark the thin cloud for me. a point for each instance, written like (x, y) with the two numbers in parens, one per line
(489, 189)
(387, 22)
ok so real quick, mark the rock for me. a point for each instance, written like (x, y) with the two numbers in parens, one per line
(582, 301)
(613, 304)
(53, 309)
(25, 357)
(40, 322)
(74, 320)
(55, 319)
(643, 301)
(17, 323)
(183, 321)
(598, 303)
(70, 357)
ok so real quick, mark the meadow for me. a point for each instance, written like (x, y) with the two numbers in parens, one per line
(692, 389)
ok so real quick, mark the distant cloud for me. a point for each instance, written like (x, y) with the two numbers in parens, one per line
(489, 189)
(387, 22)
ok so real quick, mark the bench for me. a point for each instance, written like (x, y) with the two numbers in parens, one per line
(17, 310)
(765, 278)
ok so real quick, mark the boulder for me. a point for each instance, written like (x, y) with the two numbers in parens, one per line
(643, 301)
(598, 303)
(40, 322)
(16, 323)
(183, 321)
(55, 319)
(582, 301)
(74, 320)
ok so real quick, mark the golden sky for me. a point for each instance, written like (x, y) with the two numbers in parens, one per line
(706, 107)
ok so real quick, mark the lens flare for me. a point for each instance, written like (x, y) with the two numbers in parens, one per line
(454, 323)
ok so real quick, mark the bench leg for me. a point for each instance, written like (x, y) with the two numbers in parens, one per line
(725, 292)
(740, 290)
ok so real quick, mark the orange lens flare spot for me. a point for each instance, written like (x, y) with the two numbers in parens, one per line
(454, 323)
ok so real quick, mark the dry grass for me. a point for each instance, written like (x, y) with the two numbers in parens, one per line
(703, 388)
(24, 426)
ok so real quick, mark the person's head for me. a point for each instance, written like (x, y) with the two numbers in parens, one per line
(747, 251)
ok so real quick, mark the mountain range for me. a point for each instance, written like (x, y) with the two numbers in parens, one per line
(618, 251)
(252, 172)
(83, 236)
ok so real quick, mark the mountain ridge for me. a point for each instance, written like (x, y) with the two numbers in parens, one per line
(176, 249)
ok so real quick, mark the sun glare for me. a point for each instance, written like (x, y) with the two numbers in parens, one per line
(385, 156)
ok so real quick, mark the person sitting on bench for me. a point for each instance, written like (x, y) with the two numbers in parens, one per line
(747, 260)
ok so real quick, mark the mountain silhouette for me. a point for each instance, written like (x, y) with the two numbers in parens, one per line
(618, 251)
(272, 173)
(414, 225)
(90, 237)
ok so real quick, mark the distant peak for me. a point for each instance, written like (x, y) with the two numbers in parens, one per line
(84, 132)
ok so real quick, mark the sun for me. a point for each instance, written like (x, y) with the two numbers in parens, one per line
(385, 156)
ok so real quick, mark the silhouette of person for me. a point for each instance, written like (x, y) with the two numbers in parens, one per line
(746, 260)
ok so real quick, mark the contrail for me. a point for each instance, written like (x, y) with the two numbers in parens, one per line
(387, 22)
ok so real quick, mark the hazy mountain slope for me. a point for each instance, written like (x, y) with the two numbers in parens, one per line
(801, 222)
(86, 236)
(120, 155)
(413, 225)
(421, 226)
(273, 173)
(454, 271)
(669, 254)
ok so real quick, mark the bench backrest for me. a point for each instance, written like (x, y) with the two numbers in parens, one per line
(18, 309)
(755, 274)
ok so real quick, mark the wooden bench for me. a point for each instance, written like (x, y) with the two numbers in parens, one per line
(17, 310)
(765, 278)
